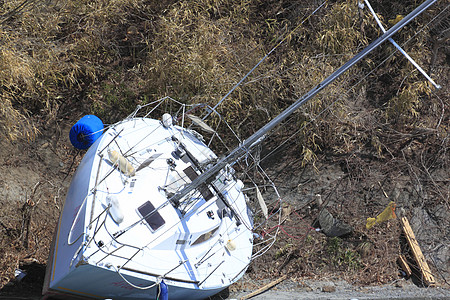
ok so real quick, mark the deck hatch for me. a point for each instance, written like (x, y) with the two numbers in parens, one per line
(151, 216)
(190, 173)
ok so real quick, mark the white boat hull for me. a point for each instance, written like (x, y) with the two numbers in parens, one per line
(195, 262)
(99, 283)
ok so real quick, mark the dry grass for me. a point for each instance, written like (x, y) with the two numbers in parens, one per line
(107, 56)
(64, 59)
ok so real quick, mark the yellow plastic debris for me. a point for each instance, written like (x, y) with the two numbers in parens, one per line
(397, 19)
(387, 214)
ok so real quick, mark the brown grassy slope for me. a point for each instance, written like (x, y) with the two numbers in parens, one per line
(62, 59)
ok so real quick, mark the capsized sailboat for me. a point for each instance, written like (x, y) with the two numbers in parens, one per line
(121, 235)
(153, 212)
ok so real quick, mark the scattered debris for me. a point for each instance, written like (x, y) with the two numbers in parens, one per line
(331, 226)
(328, 289)
(264, 288)
(262, 203)
(19, 274)
(404, 265)
(427, 277)
(387, 214)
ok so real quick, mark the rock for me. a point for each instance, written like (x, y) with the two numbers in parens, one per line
(319, 200)
(308, 289)
(331, 226)
(428, 227)
(328, 289)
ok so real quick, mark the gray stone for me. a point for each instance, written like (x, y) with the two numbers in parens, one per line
(331, 226)
(328, 289)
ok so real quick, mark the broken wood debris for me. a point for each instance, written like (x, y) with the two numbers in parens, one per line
(264, 288)
(427, 277)
(404, 265)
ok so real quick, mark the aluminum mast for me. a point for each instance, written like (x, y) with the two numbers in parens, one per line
(248, 143)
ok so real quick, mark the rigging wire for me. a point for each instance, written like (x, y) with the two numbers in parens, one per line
(264, 58)
(328, 107)
(295, 133)
(114, 239)
(345, 93)
(336, 100)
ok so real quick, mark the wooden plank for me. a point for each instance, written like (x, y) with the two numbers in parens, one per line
(404, 265)
(264, 288)
(427, 277)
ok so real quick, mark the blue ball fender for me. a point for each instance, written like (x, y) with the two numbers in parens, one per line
(86, 131)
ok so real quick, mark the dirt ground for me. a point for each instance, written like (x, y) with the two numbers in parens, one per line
(339, 289)
(35, 177)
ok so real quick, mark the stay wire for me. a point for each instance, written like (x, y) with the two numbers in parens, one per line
(346, 92)
(264, 58)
